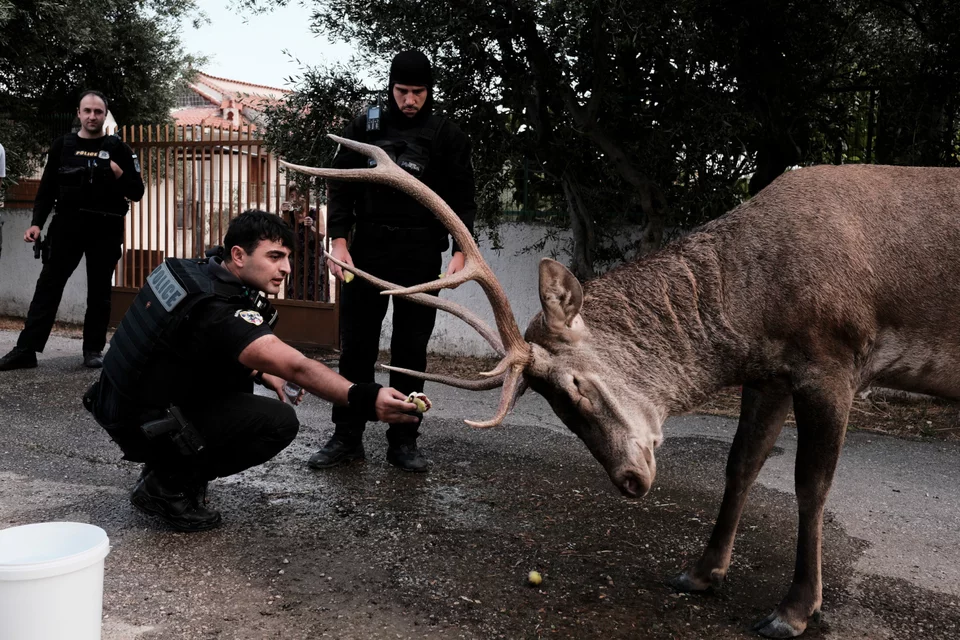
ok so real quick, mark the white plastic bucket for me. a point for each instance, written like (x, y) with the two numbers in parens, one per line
(51, 581)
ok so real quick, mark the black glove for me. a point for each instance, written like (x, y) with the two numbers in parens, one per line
(362, 398)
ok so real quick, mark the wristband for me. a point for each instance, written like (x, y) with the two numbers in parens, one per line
(259, 379)
(362, 399)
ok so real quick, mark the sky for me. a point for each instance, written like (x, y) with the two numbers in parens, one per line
(251, 48)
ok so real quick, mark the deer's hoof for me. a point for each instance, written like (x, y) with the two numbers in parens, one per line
(686, 583)
(774, 627)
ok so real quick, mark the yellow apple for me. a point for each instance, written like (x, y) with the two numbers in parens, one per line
(423, 403)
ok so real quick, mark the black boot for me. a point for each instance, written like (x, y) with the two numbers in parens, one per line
(18, 358)
(339, 450)
(405, 455)
(176, 502)
(93, 359)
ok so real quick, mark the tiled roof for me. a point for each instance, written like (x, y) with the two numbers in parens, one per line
(239, 86)
(206, 116)
(221, 94)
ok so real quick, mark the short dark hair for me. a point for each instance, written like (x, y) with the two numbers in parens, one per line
(91, 92)
(252, 226)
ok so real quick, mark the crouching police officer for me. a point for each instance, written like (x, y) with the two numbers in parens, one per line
(176, 391)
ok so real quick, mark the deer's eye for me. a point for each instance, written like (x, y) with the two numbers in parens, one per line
(580, 394)
(581, 388)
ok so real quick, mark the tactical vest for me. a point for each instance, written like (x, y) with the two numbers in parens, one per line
(410, 149)
(140, 361)
(82, 179)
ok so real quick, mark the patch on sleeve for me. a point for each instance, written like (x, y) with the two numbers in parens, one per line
(252, 317)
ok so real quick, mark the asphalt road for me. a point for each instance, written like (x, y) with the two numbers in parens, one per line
(370, 552)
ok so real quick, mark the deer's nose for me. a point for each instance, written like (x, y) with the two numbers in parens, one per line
(634, 485)
(636, 480)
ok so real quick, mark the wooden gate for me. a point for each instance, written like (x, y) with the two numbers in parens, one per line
(198, 179)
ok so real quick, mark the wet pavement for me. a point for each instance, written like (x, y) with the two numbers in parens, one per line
(368, 551)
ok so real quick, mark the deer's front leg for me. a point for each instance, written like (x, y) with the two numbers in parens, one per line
(763, 409)
(821, 426)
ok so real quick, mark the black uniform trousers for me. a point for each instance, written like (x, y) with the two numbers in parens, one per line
(71, 236)
(240, 430)
(396, 257)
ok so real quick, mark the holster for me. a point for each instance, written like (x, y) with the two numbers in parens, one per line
(179, 431)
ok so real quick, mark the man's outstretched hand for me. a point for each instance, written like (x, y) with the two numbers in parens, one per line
(393, 408)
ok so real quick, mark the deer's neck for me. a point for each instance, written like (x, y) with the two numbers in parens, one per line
(663, 317)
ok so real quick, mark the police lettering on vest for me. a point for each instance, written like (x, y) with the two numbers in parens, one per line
(166, 287)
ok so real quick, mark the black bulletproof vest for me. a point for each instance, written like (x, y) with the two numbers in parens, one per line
(84, 180)
(409, 148)
(143, 352)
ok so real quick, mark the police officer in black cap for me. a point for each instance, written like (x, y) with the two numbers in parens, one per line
(176, 391)
(398, 240)
(89, 176)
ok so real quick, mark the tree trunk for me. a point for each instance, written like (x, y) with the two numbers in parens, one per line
(581, 225)
(652, 202)
(778, 151)
(549, 77)
(868, 153)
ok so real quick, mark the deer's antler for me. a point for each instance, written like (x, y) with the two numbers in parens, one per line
(509, 372)
(449, 306)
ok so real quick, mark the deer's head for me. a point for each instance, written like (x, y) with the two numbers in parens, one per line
(573, 367)
(559, 356)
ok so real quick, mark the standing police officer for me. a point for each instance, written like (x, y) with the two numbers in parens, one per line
(176, 392)
(398, 240)
(89, 177)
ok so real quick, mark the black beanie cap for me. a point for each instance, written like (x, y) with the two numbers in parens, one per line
(411, 68)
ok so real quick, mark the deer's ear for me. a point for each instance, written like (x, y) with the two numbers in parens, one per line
(561, 295)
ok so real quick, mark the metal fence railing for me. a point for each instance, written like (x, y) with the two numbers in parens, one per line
(198, 179)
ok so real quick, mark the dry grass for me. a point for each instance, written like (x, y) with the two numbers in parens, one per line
(878, 413)
(459, 366)
(8, 323)
(886, 414)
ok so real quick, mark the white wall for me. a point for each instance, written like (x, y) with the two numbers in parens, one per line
(19, 271)
(517, 272)
(518, 275)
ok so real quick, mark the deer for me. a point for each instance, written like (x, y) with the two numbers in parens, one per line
(828, 281)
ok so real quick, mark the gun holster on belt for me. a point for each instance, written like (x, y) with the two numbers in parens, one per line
(178, 430)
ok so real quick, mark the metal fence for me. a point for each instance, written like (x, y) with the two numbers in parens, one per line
(198, 179)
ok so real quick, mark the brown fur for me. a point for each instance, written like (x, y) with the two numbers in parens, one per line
(829, 280)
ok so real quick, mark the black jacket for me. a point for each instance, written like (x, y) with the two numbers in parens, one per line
(109, 195)
(449, 173)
